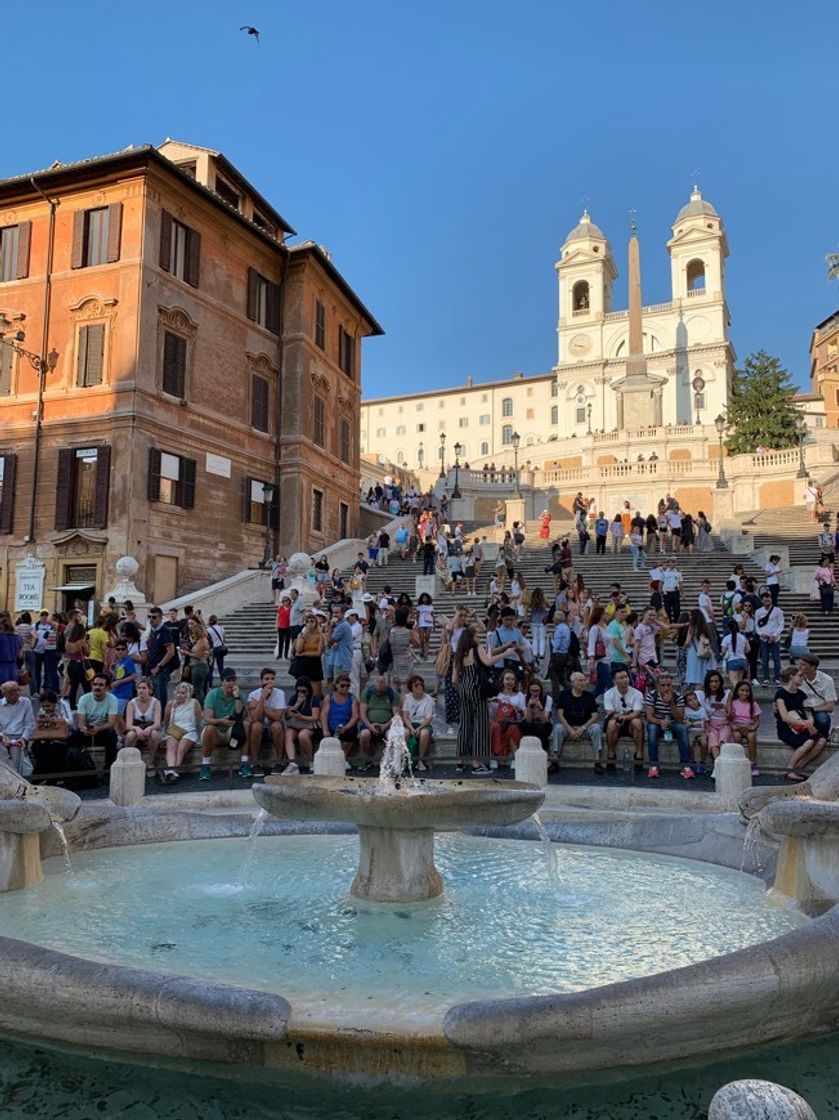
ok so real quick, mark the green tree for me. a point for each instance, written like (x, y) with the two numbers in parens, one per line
(761, 412)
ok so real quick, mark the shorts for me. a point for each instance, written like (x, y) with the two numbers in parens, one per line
(733, 664)
(277, 584)
(695, 733)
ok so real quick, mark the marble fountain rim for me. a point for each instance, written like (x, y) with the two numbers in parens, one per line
(783, 988)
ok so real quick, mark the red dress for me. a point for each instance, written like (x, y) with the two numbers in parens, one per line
(545, 529)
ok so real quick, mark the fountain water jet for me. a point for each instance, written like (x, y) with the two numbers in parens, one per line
(396, 819)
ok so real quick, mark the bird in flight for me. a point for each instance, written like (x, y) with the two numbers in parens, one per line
(251, 31)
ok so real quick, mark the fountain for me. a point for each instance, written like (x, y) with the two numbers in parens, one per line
(397, 817)
(27, 811)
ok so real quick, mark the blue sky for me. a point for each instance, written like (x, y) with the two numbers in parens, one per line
(442, 151)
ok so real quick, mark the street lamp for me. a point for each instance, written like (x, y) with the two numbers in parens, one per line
(722, 481)
(516, 440)
(802, 466)
(442, 454)
(456, 492)
(698, 384)
(43, 366)
(268, 498)
(588, 418)
(420, 455)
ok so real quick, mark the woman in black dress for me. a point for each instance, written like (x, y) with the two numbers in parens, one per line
(467, 678)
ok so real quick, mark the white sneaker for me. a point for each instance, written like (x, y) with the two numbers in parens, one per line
(493, 765)
(292, 768)
(421, 767)
(450, 731)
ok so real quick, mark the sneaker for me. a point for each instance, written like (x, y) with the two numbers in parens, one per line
(653, 772)
(686, 772)
(170, 776)
(699, 768)
(292, 768)
(767, 684)
(459, 769)
(421, 767)
(204, 774)
(246, 770)
(755, 772)
(755, 682)
(599, 768)
(493, 764)
(481, 770)
(450, 731)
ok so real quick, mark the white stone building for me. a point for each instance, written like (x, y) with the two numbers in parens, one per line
(689, 362)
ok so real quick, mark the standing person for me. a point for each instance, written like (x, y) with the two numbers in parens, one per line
(794, 725)
(161, 655)
(11, 650)
(769, 626)
(471, 667)
(617, 533)
(196, 654)
(601, 533)
(704, 543)
(674, 524)
(563, 662)
(700, 650)
(545, 526)
(283, 627)
(100, 639)
(402, 640)
(584, 536)
(773, 577)
(308, 655)
(143, 719)
(26, 632)
(500, 516)
(76, 651)
(123, 680)
(180, 731)
(429, 556)
(537, 619)
(383, 557)
(279, 567)
(735, 652)
(825, 580)
(297, 616)
(451, 636)
(688, 533)
(636, 545)
(215, 632)
(425, 621)
(811, 499)
(597, 645)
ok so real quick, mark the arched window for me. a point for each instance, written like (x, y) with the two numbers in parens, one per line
(554, 389)
(463, 451)
(580, 296)
(507, 406)
(507, 433)
(696, 276)
(485, 448)
(400, 458)
(554, 414)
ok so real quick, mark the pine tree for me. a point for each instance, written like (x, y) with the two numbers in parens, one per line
(761, 412)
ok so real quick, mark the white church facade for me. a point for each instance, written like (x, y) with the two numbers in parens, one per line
(598, 385)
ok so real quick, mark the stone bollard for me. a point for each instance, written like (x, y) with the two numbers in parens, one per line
(732, 774)
(758, 1100)
(128, 778)
(329, 759)
(531, 762)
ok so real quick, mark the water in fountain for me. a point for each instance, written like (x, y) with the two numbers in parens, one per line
(751, 860)
(253, 836)
(551, 862)
(65, 847)
(396, 758)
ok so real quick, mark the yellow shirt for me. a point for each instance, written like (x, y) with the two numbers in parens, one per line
(98, 639)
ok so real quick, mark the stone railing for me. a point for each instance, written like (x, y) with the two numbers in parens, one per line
(694, 293)
(501, 476)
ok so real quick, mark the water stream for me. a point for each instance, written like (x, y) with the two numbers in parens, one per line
(396, 758)
(750, 860)
(65, 847)
(253, 836)
(551, 861)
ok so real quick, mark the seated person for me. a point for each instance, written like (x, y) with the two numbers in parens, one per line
(302, 725)
(222, 712)
(181, 721)
(624, 709)
(379, 704)
(665, 710)
(339, 715)
(795, 725)
(96, 718)
(744, 717)
(17, 723)
(820, 690)
(696, 721)
(505, 729)
(50, 739)
(266, 705)
(537, 714)
(417, 715)
(143, 722)
(578, 719)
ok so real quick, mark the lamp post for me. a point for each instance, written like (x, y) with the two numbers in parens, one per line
(43, 366)
(456, 492)
(722, 481)
(588, 418)
(442, 454)
(698, 384)
(516, 440)
(802, 466)
(268, 498)
(420, 455)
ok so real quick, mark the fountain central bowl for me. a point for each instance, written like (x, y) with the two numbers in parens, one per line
(396, 824)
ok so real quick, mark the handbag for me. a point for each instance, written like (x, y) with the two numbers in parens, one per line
(487, 685)
(51, 734)
(24, 677)
(385, 658)
(443, 660)
(175, 732)
(703, 647)
(222, 649)
(297, 723)
(27, 765)
(295, 668)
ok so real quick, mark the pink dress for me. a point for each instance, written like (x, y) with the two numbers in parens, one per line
(743, 712)
(719, 729)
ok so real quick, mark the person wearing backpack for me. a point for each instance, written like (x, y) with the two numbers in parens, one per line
(730, 600)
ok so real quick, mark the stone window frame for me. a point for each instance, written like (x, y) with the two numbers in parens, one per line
(90, 311)
(175, 320)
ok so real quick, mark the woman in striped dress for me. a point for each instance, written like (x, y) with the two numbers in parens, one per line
(473, 730)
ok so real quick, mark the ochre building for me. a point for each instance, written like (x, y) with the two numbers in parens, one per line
(199, 394)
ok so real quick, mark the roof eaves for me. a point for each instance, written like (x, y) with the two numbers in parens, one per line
(315, 250)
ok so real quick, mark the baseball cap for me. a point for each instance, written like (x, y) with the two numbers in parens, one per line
(228, 674)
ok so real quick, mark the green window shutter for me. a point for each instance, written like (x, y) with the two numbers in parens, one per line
(24, 238)
(77, 251)
(7, 503)
(188, 483)
(153, 485)
(165, 240)
(193, 257)
(64, 488)
(91, 355)
(103, 487)
(114, 231)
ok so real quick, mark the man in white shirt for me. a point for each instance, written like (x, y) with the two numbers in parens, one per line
(266, 705)
(17, 724)
(624, 708)
(671, 587)
(769, 627)
(356, 667)
(706, 604)
(820, 690)
(674, 521)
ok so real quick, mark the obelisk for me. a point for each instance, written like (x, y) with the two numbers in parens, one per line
(636, 363)
(640, 394)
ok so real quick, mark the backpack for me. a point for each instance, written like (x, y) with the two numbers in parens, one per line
(728, 603)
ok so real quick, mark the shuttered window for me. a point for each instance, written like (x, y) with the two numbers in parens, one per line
(171, 479)
(174, 365)
(83, 487)
(256, 510)
(343, 521)
(263, 302)
(320, 325)
(97, 235)
(259, 403)
(346, 445)
(14, 251)
(90, 355)
(8, 469)
(180, 249)
(7, 360)
(346, 352)
(317, 511)
(319, 420)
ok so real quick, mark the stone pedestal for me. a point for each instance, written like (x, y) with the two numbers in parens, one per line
(329, 759)
(758, 1100)
(20, 850)
(396, 865)
(732, 774)
(531, 762)
(125, 588)
(723, 506)
(128, 778)
(515, 512)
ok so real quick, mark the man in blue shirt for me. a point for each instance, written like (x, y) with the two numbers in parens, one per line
(601, 532)
(564, 659)
(339, 647)
(161, 655)
(509, 634)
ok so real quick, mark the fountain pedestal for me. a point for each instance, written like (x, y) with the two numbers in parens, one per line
(396, 865)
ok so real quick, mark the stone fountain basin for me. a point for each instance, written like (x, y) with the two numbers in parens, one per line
(801, 817)
(415, 805)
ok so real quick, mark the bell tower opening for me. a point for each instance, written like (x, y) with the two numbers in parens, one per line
(580, 298)
(695, 274)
